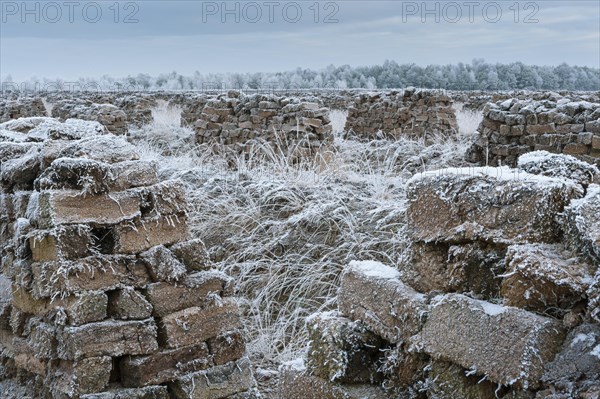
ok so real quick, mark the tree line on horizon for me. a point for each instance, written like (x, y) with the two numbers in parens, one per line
(478, 75)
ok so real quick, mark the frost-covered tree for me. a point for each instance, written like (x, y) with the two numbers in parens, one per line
(477, 75)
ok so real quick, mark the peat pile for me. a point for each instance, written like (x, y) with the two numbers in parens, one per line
(108, 115)
(513, 127)
(392, 114)
(102, 292)
(21, 107)
(498, 296)
(243, 122)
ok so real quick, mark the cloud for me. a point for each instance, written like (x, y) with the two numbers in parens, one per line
(171, 36)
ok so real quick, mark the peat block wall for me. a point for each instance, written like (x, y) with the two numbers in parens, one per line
(412, 113)
(477, 99)
(136, 106)
(108, 115)
(241, 122)
(556, 124)
(21, 107)
(102, 293)
(497, 297)
(336, 99)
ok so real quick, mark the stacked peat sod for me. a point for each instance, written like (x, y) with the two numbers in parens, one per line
(477, 100)
(138, 108)
(556, 124)
(22, 107)
(244, 122)
(498, 296)
(336, 99)
(409, 113)
(102, 293)
(109, 115)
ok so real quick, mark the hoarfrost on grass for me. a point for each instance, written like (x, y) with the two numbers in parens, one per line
(285, 229)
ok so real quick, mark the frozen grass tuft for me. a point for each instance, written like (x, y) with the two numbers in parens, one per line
(286, 242)
(338, 120)
(167, 143)
(468, 120)
(49, 106)
(285, 228)
(166, 115)
(165, 133)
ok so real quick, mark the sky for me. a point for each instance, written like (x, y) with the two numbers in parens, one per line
(69, 39)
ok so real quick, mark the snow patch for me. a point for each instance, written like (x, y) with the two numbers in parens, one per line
(328, 315)
(592, 194)
(506, 104)
(15, 137)
(503, 173)
(491, 308)
(583, 338)
(558, 166)
(374, 269)
(593, 191)
(33, 208)
(296, 365)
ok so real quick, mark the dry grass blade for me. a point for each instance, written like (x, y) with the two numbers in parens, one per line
(285, 227)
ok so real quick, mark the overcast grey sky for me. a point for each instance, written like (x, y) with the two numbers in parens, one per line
(74, 38)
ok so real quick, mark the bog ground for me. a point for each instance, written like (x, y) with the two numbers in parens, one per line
(388, 244)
